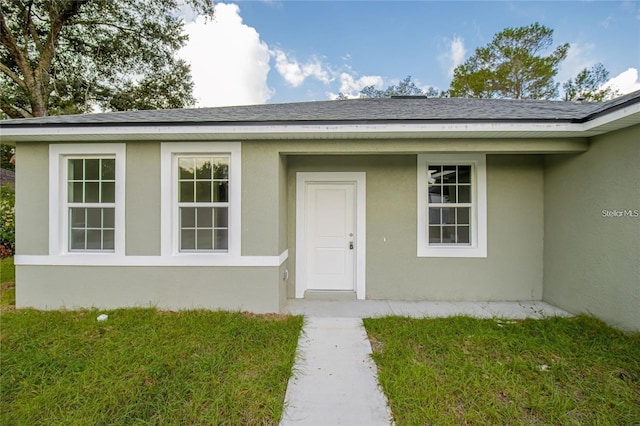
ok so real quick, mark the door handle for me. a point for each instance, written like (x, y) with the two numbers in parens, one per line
(350, 245)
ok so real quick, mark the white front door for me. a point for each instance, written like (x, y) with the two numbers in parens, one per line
(330, 230)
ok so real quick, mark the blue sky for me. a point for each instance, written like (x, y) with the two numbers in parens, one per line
(286, 51)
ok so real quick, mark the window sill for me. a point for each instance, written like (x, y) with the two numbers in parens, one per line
(480, 252)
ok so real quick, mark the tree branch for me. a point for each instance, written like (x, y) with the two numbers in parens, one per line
(14, 112)
(9, 42)
(13, 76)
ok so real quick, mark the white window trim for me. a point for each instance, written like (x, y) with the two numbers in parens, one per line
(58, 211)
(478, 247)
(169, 193)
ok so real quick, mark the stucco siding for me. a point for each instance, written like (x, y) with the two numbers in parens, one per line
(32, 199)
(260, 199)
(52, 287)
(592, 247)
(513, 269)
(142, 203)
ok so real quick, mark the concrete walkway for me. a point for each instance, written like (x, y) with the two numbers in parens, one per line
(380, 308)
(335, 380)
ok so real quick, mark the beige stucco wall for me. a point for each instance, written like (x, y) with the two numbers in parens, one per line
(255, 288)
(142, 199)
(592, 262)
(32, 199)
(232, 288)
(513, 269)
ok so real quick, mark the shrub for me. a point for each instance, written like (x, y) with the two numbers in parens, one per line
(7, 221)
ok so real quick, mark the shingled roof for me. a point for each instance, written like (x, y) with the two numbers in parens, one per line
(396, 109)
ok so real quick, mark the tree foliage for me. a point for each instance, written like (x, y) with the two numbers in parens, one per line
(405, 87)
(588, 85)
(512, 66)
(68, 56)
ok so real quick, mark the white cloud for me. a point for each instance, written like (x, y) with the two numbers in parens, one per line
(454, 55)
(295, 74)
(350, 86)
(229, 62)
(625, 82)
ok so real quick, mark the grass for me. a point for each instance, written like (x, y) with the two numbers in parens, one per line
(144, 367)
(7, 283)
(453, 371)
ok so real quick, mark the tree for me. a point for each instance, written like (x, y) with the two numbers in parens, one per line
(588, 85)
(405, 87)
(511, 66)
(68, 56)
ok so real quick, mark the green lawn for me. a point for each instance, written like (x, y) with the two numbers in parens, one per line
(560, 371)
(143, 366)
(7, 283)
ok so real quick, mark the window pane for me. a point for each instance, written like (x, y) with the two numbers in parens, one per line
(435, 194)
(220, 192)
(222, 237)
(94, 218)
(450, 194)
(108, 218)
(75, 169)
(221, 215)
(92, 169)
(187, 166)
(444, 197)
(75, 192)
(94, 240)
(221, 168)
(463, 235)
(108, 192)
(434, 234)
(186, 192)
(463, 215)
(77, 239)
(434, 215)
(203, 191)
(77, 218)
(188, 217)
(108, 169)
(448, 215)
(205, 239)
(203, 168)
(448, 174)
(204, 217)
(92, 192)
(464, 194)
(108, 240)
(448, 234)
(464, 174)
(188, 239)
(434, 173)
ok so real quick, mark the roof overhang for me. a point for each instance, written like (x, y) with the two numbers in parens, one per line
(615, 120)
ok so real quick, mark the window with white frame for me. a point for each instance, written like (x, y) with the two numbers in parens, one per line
(200, 198)
(91, 201)
(203, 203)
(86, 198)
(452, 205)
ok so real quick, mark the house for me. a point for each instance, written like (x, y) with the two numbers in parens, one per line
(402, 198)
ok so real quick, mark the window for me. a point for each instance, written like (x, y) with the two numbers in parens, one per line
(200, 198)
(91, 197)
(86, 188)
(203, 203)
(452, 205)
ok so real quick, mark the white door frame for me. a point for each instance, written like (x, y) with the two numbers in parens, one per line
(302, 180)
